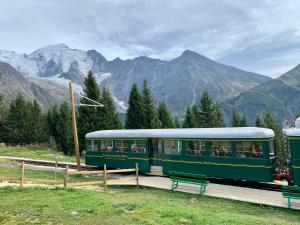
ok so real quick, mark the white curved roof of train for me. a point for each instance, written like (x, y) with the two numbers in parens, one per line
(292, 132)
(237, 132)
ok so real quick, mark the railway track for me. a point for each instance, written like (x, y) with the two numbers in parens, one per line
(49, 163)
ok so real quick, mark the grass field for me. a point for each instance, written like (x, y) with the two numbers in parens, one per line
(36, 153)
(122, 205)
(130, 206)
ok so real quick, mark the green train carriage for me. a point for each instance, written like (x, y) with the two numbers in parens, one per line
(232, 153)
(293, 147)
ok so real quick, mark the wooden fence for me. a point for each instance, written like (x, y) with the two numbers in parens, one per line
(105, 181)
(67, 173)
(21, 179)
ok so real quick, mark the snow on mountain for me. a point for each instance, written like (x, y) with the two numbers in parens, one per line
(62, 57)
(21, 62)
(100, 77)
(52, 60)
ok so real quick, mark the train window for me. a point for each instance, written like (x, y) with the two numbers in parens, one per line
(220, 148)
(106, 145)
(94, 145)
(172, 147)
(88, 145)
(249, 149)
(195, 148)
(271, 148)
(138, 146)
(121, 146)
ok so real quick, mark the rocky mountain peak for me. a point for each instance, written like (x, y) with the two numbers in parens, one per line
(96, 56)
(189, 56)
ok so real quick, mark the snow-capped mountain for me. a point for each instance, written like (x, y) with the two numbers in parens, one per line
(59, 64)
(179, 82)
(53, 60)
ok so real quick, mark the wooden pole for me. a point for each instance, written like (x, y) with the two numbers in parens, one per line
(56, 161)
(104, 178)
(66, 178)
(72, 99)
(21, 174)
(137, 174)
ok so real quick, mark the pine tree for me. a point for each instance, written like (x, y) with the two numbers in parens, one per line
(148, 106)
(135, 112)
(210, 114)
(206, 110)
(244, 122)
(176, 122)
(51, 118)
(3, 121)
(64, 129)
(259, 122)
(109, 114)
(156, 123)
(195, 110)
(218, 118)
(238, 120)
(281, 153)
(34, 123)
(189, 119)
(88, 117)
(17, 121)
(165, 116)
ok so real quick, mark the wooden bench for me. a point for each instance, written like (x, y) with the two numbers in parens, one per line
(292, 192)
(188, 178)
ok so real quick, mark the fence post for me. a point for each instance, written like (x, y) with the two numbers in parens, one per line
(66, 178)
(56, 161)
(21, 174)
(137, 174)
(104, 178)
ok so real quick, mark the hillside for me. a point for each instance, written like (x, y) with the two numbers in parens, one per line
(179, 82)
(13, 82)
(281, 96)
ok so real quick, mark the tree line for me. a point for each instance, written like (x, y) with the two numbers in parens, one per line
(24, 122)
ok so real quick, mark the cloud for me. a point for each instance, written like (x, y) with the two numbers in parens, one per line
(242, 33)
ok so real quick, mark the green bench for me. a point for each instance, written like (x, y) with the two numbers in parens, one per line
(188, 178)
(291, 192)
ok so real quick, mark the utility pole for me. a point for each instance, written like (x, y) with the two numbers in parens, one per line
(72, 99)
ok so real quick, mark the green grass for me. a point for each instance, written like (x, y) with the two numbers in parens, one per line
(36, 153)
(131, 206)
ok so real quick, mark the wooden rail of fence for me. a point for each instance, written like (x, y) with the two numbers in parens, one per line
(66, 183)
(21, 179)
(105, 181)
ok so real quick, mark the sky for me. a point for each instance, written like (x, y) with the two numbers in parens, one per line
(261, 36)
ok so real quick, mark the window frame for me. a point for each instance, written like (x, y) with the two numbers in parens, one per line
(227, 154)
(203, 151)
(94, 145)
(250, 152)
(123, 140)
(179, 144)
(145, 144)
(106, 140)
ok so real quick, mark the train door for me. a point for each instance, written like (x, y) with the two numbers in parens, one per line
(155, 152)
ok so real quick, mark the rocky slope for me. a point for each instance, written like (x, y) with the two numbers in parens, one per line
(13, 82)
(281, 96)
